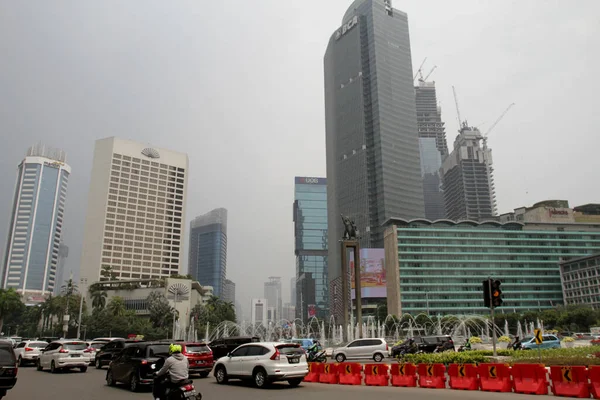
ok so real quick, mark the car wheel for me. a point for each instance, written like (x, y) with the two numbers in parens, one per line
(38, 365)
(98, 363)
(83, 369)
(378, 357)
(295, 382)
(134, 383)
(110, 379)
(260, 378)
(203, 374)
(221, 375)
(53, 368)
(340, 358)
(20, 361)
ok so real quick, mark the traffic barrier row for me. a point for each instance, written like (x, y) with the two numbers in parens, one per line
(569, 381)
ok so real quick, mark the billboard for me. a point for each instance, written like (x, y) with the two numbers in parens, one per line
(372, 273)
(312, 310)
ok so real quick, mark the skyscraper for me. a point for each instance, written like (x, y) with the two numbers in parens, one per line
(373, 167)
(310, 231)
(229, 292)
(433, 148)
(63, 253)
(273, 296)
(467, 178)
(36, 222)
(293, 290)
(258, 312)
(208, 249)
(136, 208)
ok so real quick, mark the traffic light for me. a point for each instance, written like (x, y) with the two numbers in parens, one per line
(486, 293)
(496, 294)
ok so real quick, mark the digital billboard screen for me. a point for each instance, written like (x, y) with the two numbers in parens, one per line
(372, 273)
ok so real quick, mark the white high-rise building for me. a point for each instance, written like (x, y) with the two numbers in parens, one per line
(136, 212)
(36, 223)
(273, 296)
(259, 311)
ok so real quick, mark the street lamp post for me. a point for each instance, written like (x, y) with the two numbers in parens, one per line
(82, 282)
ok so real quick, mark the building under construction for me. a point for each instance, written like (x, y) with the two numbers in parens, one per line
(467, 178)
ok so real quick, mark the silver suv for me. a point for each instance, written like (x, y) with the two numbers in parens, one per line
(64, 354)
(377, 349)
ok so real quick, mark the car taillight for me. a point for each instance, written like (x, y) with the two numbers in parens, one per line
(144, 362)
(28, 349)
(187, 388)
(88, 350)
(386, 347)
(63, 351)
(276, 356)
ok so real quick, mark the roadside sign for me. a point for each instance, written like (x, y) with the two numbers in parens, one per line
(566, 374)
(538, 336)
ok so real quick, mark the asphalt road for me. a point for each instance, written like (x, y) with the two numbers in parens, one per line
(33, 385)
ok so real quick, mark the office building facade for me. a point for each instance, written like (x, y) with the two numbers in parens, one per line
(274, 298)
(581, 280)
(63, 254)
(136, 211)
(429, 116)
(229, 292)
(208, 249)
(372, 147)
(310, 246)
(36, 223)
(258, 312)
(438, 267)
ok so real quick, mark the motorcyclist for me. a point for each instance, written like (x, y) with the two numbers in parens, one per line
(313, 349)
(467, 345)
(516, 345)
(174, 371)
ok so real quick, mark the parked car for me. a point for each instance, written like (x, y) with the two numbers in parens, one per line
(136, 364)
(29, 352)
(426, 344)
(374, 348)
(64, 354)
(95, 346)
(263, 363)
(8, 366)
(549, 342)
(110, 350)
(222, 347)
(200, 358)
(304, 343)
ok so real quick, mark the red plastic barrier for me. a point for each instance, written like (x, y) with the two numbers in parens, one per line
(594, 374)
(570, 381)
(495, 377)
(463, 376)
(432, 376)
(404, 375)
(330, 374)
(377, 375)
(530, 378)
(314, 370)
(350, 374)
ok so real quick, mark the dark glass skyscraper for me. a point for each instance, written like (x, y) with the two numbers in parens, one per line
(373, 166)
(208, 250)
(310, 232)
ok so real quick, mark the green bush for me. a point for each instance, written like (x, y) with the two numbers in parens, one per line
(588, 355)
(475, 339)
(452, 357)
(504, 339)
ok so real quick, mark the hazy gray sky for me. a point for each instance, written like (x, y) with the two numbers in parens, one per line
(238, 85)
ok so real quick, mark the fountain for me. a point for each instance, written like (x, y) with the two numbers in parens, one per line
(506, 332)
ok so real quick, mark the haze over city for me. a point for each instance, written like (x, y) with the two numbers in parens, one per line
(239, 87)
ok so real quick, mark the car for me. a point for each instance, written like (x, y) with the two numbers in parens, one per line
(374, 348)
(263, 363)
(64, 354)
(136, 364)
(549, 342)
(8, 366)
(304, 343)
(28, 352)
(200, 358)
(110, 350)
(95, 346)
(223, 346)
(426, 344)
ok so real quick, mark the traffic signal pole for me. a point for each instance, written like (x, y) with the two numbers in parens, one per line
(492, 316)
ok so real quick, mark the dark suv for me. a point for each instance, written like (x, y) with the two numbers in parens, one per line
(426, 344)
(136, 364)
(222, 347)
(8, 367)
(107, 353)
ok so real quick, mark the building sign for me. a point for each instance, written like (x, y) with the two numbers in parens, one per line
(55, 164)
(346, 27)
(556, 212)
(311, 180)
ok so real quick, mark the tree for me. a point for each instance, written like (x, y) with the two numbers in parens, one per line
(161, 312)
(116, 307)
(10, 300)
(99, 299)
(69, 288)
(107, 273)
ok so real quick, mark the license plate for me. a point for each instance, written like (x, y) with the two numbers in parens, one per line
(190, 394)
(294, 360)
(75, 355)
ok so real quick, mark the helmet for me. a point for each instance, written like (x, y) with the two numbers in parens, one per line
(174, 348)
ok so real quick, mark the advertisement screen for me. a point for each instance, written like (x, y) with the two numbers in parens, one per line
(372, 273)
(312, 310)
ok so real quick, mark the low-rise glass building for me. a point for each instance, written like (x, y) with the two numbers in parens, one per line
(581, 280)
(438, 266)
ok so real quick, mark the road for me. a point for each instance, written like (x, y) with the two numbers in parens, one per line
(33, 385)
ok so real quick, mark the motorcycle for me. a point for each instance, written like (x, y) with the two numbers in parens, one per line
(316, 356)
(184, 391)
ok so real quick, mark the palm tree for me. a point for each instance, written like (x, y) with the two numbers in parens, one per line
(116, 306)
(99, 299)
(10, 301)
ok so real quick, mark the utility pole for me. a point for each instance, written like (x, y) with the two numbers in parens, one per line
(82, 281)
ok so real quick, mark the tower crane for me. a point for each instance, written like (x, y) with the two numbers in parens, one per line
(485, 135)
(429, 74)
(457, 110)
(419, 70)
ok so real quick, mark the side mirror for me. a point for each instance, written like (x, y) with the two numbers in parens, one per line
(229, 355)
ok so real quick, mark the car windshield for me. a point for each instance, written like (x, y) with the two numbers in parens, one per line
(97, 345)
(527, 339)
(290, 349)
(37, 345)
(197, 348)
(158, 350)
(7, 356)
(74, 346)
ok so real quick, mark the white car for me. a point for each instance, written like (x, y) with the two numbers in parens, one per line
(374, 348)
(263, 363)
(94, 346)
(64, 354)
(28, 352)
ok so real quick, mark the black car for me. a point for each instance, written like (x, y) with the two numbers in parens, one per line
(109, 351)
(8, 367)
(426, 344)
(222, 347)
(136, 364)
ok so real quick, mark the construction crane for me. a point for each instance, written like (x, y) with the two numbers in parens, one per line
(419, 70)
(429, 74)
(457, 109)
(485, 135)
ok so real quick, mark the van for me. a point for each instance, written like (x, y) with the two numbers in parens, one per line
(223, 346)
(374, 348)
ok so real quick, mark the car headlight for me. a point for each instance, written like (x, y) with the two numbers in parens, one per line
(153, 366)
